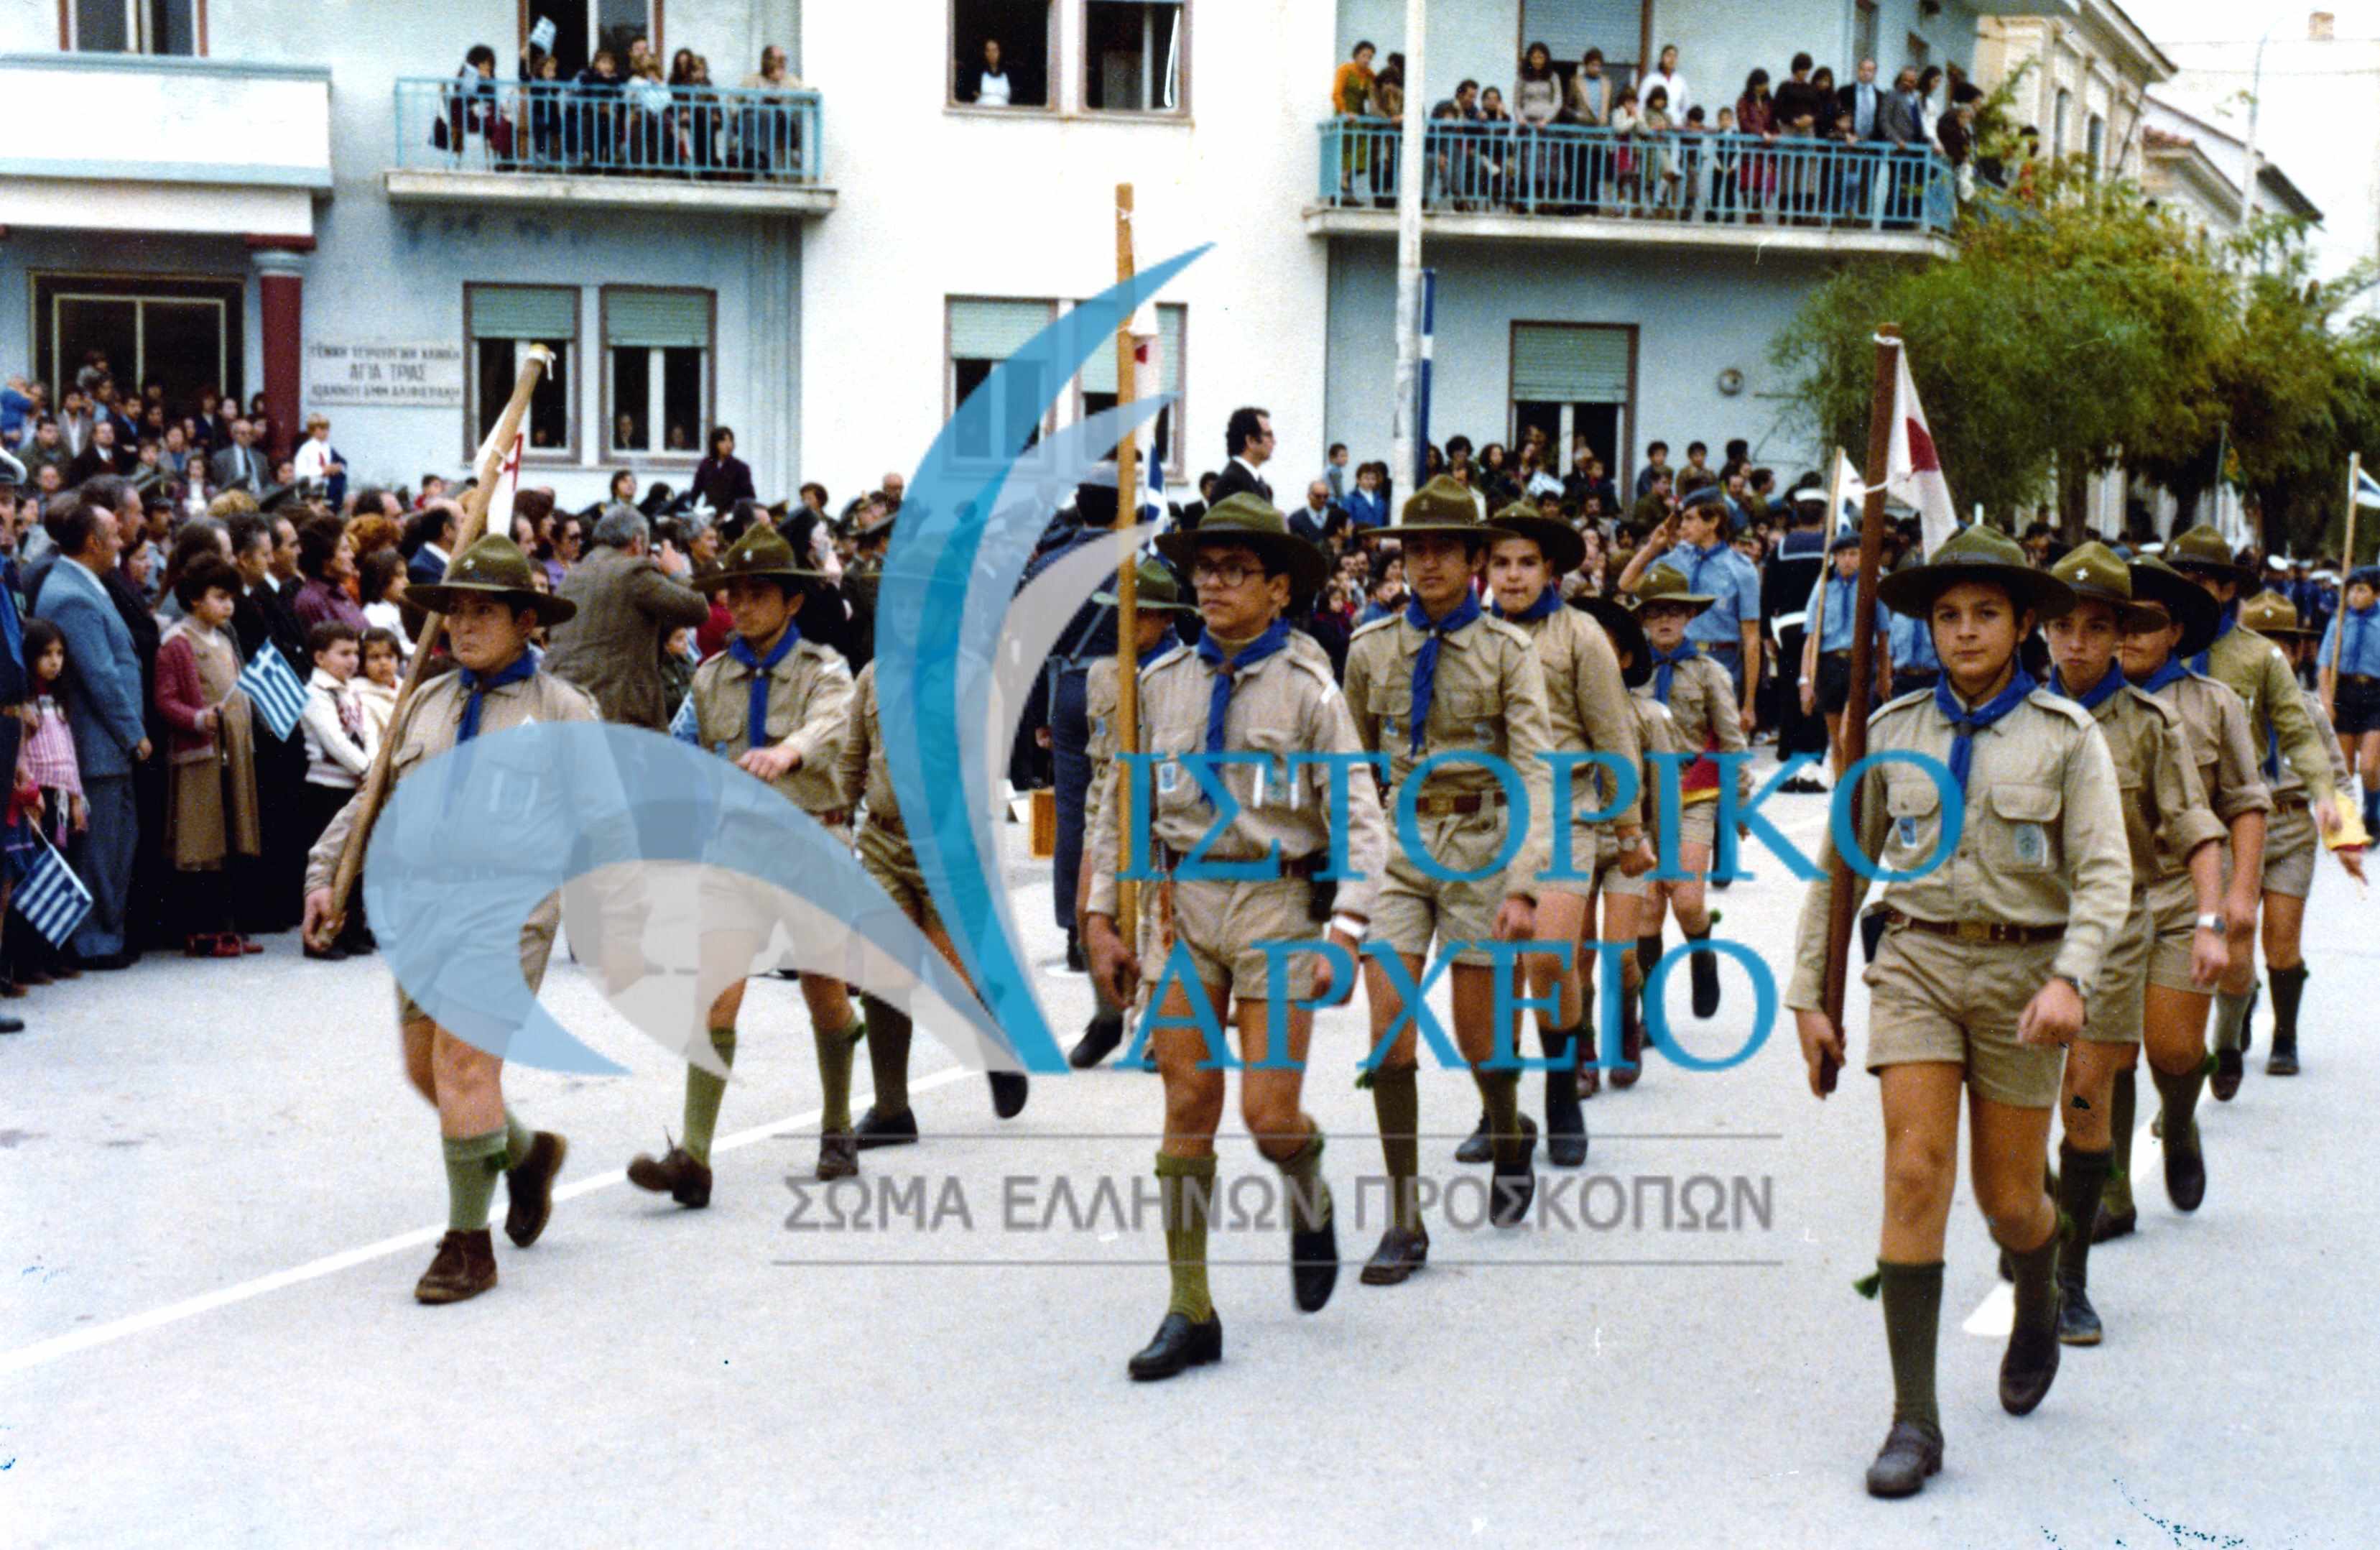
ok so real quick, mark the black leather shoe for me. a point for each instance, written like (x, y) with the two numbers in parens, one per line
(838, 1155)
(12, 1025)
(1399, 1255)
(528, 1188)
(675, 1174)
(1478, 1146)
(876, 1129)
(2028, 1367)
(1100, 1037)
(1565, 1121)
(1313, 1262)
(1075, 962)
(1179, 1344)
(2114, 1224)
(2185, 1171)
(2225, 1083)
(2078, 1322)
(1008, 1093)
(1515, 1184)
(2283, 1060)
(1910, 1452)
(1703, 968)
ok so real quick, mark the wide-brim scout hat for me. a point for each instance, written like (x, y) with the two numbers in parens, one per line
(2203, 551)
(1842, 541)
(1665, 586)
(2094, 573)
(2183, 600)
(1444, 508)
(493, 566)
(1247, 518)
(2272, 615)
(1154, 591)
(762, 554)
(1560, 542)
(1627, 637)
(1975, 554)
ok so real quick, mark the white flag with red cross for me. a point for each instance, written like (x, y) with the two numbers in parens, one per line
(1914, 470)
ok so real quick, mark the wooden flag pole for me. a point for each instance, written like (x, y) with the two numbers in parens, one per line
(1840, 916)
(1127, 588)
(2347, 563)
(493, 452)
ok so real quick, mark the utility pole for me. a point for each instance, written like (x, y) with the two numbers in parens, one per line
(2255, 103)
(1406, 454)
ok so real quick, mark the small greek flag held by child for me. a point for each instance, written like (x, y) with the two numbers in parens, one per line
(52, 899)
(274, 688)
(685, 726)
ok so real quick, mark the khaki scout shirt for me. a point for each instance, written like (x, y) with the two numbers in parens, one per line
(1490, 697)
(1587, 704)
(2042, 842)
(1284, 705)
(1703, 712)
(809, 709)
(860, 767)
(1656, 732)
(2166, 815)
(2257, 671)
(2285, 784)
(2215, 724)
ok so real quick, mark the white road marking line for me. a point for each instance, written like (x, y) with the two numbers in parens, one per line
(1996, 1315)
(42, 1352)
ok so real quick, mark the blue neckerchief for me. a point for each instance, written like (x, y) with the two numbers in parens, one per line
(1849, 585)
(11, 627)
(2353, 655)
(1425, 677)
(1702, 559)
(1154, 653)
(2199, 664)
(521, 666)
(2169, 672)
(2109, 681)
(755, 718)
(1965, 724)
(1227, 672)
(1921, 656)
(1664, 663)
(1548, 601)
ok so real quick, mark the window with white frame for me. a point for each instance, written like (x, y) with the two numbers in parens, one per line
(980, 333)
(657, 373)
(575, 31)
(131, 25)
(1096, 388)
(1000, 52)
(1133, 56)
(501, 322)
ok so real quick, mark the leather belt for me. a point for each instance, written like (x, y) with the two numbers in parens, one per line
(888, 821)
(834, 817)
(1470, 802)
(1976, 931)
(1294, 867)
(2292, 801)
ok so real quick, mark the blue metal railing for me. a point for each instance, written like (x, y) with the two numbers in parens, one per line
(1564, 169)
(708, 133)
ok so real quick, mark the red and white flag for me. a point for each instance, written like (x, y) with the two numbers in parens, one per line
(1914, 472)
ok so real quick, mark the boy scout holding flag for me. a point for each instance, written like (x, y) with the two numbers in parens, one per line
(490, 606)
(1985, 958)
(1442, 677)
(1243, 688)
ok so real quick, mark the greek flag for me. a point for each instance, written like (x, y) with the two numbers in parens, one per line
(52, 899)
(2367, 490)
(274, 688)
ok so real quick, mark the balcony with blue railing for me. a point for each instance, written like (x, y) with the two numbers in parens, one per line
(724, 149)
(1572, 183)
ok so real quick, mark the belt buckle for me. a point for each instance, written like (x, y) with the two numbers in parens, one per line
(1976, 931)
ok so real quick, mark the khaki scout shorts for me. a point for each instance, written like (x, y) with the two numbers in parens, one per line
(1937, 998)
(536, 934)
(2173, 909)
(2292, 844)
(1225, 925)
(888, 857)
(2116, 1005)
(1412, 909)
(1698, 825)
(1588, 861)
(1608, 876)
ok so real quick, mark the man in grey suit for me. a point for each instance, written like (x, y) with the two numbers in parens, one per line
(239, 466)
(1896, 124)
(612, 649)
(104, 710)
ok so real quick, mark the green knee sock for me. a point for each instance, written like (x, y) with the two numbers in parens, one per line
(2122, 1110)
(2036, 1282)
(2230, 1016)
(1309, 1194)
(1397, 1104)
(519, 1137)
(472, 1163)
(834, 1072)
(703, 1092)
(888, 1033)
(2082, 1175)
(1912, 1295)
(2289, 993)
(2178, 1099)
(1187, 1187)
(1501, 1092)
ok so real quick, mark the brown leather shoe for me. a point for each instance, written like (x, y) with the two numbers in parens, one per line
(464, 1266)
(528, 1188)
(838, 1154)
(677, 1175)
(1399, 1255)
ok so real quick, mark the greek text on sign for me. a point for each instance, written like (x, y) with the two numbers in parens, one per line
(398, 376)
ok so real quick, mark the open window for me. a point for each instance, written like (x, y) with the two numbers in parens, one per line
(581, 27)
(1096, 386)
(501, 322)
(133, 26)
(657, 381)
(1000, 52)
(982, 332)
(1571, 381)
(1133, 55)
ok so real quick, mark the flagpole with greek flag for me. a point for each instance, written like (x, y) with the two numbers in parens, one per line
(271, 685)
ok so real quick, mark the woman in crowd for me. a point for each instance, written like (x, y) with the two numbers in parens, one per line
(722, 479)
(381, 582)
(326, 563)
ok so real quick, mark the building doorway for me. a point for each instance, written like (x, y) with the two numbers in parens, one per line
(1575, 380)
(186, 334)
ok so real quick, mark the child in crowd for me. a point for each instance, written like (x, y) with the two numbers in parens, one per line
(376, 687)
(49, 794)
(211, 810)
(337, 753)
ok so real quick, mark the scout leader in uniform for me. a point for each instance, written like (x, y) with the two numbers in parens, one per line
(2290, 843)
(491, 605)
(2175, 846)
(2255, 670)
(776, 705)
(2214, 722)
(1243, 688)
(1988, 952)
(1442, 677)
(2350, 681)
(1158, 604)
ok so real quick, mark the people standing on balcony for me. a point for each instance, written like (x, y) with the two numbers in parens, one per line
(591, 126)
(1350, 99)
(1656, 127)
(1666, 79)
(1624, 120)
(771, 138)
(722, 479)
(470, 122)
(1537, 105)
(1495, 144)
(1587, 103)
(1900, 125)
(1796, 109)
(986, 83)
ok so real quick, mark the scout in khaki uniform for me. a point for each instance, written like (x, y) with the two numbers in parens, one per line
(1981, 975)
(777, 705)
(1242, 688)
(2174, 1017)
(1700, 698)
(1441, 676)
(1587, 708)
(490, 604)
(1157, 602)
(1619, 873)
(2176, 844)
(2290, 843)
(1825, 667)
(2349, 675)
(2256, 669)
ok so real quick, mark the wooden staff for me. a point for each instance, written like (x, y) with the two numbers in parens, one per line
(2347, 558)
(1841, 910)
(489, 468)
(1127, 586)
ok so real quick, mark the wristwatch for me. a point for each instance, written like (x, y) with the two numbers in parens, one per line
(2209, 922)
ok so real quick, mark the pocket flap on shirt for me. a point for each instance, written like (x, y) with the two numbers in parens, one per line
(2025, 804)
(1913, 796)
